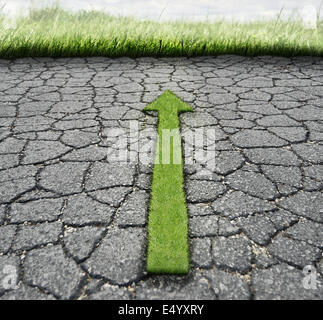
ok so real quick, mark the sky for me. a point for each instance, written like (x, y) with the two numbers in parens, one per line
(241, 10)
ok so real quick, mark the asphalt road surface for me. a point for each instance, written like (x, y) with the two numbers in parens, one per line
(73, 219)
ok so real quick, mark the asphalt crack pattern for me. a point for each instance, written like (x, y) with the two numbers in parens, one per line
(73, 221)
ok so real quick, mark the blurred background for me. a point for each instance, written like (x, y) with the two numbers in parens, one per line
(161, 10)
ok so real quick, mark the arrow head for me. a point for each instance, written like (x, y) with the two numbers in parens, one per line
(168, 102)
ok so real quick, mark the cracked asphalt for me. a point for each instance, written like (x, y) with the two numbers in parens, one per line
(73, 221)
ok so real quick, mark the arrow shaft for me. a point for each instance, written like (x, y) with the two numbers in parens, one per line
(168, 247)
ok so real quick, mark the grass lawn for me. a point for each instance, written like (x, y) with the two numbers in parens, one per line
(54, 32)
(168, 221)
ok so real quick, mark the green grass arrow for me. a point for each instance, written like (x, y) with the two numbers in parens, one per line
(168, 222)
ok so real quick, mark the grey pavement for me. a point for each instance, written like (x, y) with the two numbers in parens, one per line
(73, 219)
